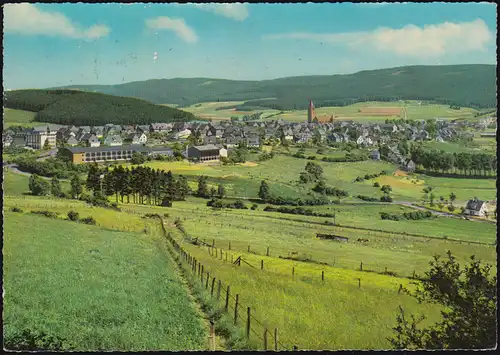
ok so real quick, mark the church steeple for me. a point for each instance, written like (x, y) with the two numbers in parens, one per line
(310, 112)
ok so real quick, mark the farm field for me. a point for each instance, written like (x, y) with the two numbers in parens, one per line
(350, 112)
(309, 313)
(13, 117)
(95, 289)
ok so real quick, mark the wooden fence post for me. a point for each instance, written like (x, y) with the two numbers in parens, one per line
(232, 261)
(213, 242)
(275, 339)
(202, 269)
(215, 252)
(265, 339)
(262, 264)
(221, 253)
(212, 289)
(219, 286)
(293, 270)
(386, 269)
(248, 322)
(400, 288)
(359, 282)
(227, 298)
(236, 309)
(322, 276)
(361, 266)
(208, 278)
(267, 252)
(212, 335)
(413, 273)
(249, 248)
(229, 246)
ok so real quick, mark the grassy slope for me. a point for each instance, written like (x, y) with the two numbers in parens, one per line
(99, 289)
(19, 118)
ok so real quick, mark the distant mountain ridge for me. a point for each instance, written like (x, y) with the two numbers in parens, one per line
(472, 85)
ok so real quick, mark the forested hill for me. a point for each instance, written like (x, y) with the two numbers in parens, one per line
(89, 109)
(471, 85)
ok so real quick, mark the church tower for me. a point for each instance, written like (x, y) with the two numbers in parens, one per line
(310, 112)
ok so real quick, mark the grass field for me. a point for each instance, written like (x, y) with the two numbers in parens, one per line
(350, 112)
(98, 289)
(13, 117)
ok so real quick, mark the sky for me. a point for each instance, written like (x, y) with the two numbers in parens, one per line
(48, 45)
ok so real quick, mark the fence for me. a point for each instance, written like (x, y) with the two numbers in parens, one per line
(221, 291)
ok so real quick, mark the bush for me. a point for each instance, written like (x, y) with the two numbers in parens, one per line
(166, 203)
(367, 198)
(376, 184)
(88, 220)
(48, 214)
(254, 206)
(414, 216)
(73, 216)
(386, 198)
(16, 209)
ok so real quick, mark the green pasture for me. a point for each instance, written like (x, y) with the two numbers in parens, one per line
(13, 117)
(311, 314)
(97, 289)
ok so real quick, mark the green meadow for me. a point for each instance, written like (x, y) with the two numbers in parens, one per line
(13, 117)
(95, 289)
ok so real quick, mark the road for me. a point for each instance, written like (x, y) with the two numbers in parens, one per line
(438, 213)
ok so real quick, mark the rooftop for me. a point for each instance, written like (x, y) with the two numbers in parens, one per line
(134, 147)
(206, 147)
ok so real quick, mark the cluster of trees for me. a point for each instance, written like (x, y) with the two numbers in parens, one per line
(368, 198)
(331, 191)
(91, 109)
(298, 210)
(313, 173)
(414, 216)
(144, 184)
(49, 167)
(349, 157)
(205, 192)
(266, 156)
(237, 155)
(370, 176)
(238, 204)
(464, 163)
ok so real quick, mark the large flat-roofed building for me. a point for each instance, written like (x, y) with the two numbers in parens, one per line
(36, 137)
(203, 152)
(80, 155)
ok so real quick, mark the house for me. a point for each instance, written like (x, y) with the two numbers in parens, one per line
(185, 133)
(113, 140)
(90, 140)
(128, 129)
(163, 151)
(476, 207)
(375, 155)
(232, 141)
(159, 128)
(38, 136)
(409, 166)
(143, 129)
(72, 141)
(216, 130)
(203, 152)
(488, 134)
(136, 138)
(98, 131)
(253, 141)
(360, 140)
(18, 141)
(439, 139)
(209, 140)
(7, 140)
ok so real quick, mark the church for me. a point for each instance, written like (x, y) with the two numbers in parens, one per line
(312, 118)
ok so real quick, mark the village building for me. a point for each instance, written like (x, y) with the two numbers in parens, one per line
(113, 140)
(136, 138)
(90, 140)
(38, 136)
(203, 152)
(79, 155)
(476, 207)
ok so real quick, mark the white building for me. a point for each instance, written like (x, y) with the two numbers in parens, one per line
(37, 137)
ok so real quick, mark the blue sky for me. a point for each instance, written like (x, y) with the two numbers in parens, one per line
(62, 44)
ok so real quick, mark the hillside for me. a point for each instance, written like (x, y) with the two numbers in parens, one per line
(464, 85)
(85, 108)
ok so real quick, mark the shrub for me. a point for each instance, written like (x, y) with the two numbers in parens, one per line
(367, 198)
(451, 208)
(73, 216)
(88, 220)
(16, 209)
(254, 206)
(386, 198)
(166, 203)
(376, 184)
(48, 214)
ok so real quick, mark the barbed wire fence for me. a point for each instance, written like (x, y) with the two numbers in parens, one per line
(221, 292)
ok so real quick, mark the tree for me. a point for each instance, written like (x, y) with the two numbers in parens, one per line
(202, 187)
(38, 186)
(221, 191)
(453, 197)
(55, 187)
(46, 145)
(93, 182)
(468, 296)
(264, 191)
(315, 170)
(137, 158)
(386, 189)
(432, 197)
(182, 187)
(76, 186)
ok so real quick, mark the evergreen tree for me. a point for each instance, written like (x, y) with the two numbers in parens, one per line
(93, 182)
(202, 187)
(55, 187)
(264, 191)
(182, 187)
(76, 186)
(109, 183)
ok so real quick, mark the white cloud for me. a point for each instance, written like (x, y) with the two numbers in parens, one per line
(179, 26)
(237, 11)
(411, 40)
(27, 19)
